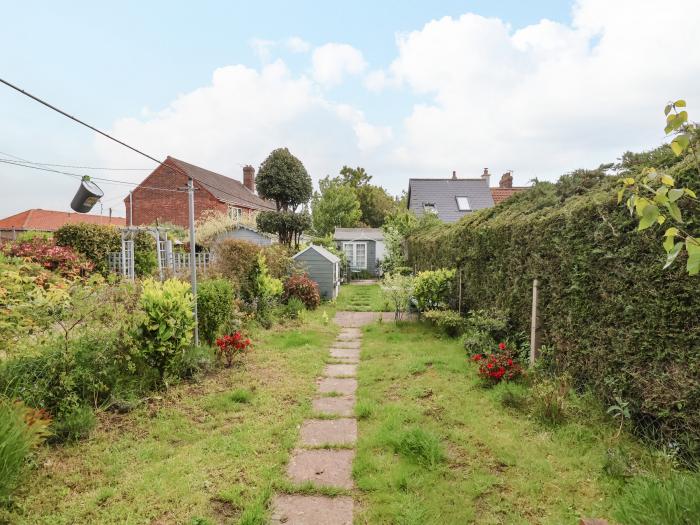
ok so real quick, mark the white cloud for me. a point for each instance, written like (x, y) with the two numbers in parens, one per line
(263, 48)
(242, 116)
(331, 62)
(473, 91)
(546, 98)
(296, 44)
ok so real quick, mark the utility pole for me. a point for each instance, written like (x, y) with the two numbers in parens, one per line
(193, 265)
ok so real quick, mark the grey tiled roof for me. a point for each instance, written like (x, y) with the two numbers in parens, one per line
(354, 234)
(322, 251)
(224, 188)
(443, 194)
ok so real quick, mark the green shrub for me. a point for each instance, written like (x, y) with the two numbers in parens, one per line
(448, 321)
(74, 424)
(214, 308)
(432, 289)
(235, 259)
(490, 321)
(293, 308)
(168, 322)
(262, 291)
(303, 288)
(620, 324)
(145, 258)
(475, 342)
(674, 501)
(397, 290)
(192, 362)
(279, 262)
(94, 241)
(21, 429)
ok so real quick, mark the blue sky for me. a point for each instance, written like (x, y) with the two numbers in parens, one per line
(145, 70)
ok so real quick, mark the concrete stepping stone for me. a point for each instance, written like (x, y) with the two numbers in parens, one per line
(346, 386)
(340, 370)
(326, 468)
(319, 432)
(334, 406)
(295, 509)
(345, 353)
(347, 344)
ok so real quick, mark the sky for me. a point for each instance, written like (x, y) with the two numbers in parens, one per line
(403, 88)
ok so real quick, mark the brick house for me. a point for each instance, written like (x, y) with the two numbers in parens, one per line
(149, 203)
(38, 220)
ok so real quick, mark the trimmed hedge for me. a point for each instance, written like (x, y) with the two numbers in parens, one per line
(618, 323)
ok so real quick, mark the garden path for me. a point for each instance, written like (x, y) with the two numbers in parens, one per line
(327, 446)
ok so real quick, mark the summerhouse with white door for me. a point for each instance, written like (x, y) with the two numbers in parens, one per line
(363, 247)
(322, 267)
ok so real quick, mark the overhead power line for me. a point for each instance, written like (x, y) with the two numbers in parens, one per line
(114, 139)
(72, 166)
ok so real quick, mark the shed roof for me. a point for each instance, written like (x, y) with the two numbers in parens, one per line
(443, 193)
(321, 251)
(37, 219)
(354, 234)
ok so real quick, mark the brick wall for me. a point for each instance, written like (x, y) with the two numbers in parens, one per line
(167, 206)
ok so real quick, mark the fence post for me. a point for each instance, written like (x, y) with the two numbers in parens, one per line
(535, 323)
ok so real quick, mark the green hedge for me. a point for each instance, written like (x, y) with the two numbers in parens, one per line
(617, 322)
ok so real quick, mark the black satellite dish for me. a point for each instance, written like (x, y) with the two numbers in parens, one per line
(87, 196)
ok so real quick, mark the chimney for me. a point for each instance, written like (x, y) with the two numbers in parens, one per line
(486, 176)
(249, 177)
(506, 180)
(454, 175)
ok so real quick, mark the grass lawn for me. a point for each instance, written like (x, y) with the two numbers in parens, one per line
(436, 447)
(361, 298)
(205, 452)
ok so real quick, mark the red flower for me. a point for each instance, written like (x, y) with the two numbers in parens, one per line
(490, 365)
(501, 346)
(510, 362)
(477, 357)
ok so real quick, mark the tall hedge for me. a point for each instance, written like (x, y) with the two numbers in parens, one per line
(616, 321)
(95, 241)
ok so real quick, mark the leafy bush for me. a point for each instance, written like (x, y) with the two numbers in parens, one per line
(262, 291)
(620, 324)
(490, 321)
(74, 424)
(477, 342)
(293, 308)
(397, 290)
(191, 362)
(449, 321)
(214, 308)
(21, 429)
(304, 289)
(235, 259)
(230, 346)
(501, 365)
(94, 241)
(432, 289)
(279, 263)
(673, 501)
(168, 322)
(64, 261)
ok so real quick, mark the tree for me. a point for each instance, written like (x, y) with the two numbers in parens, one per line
(375, 202)
(283, 179)
(335, 205)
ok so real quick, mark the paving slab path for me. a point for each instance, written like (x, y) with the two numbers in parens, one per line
(326, 449)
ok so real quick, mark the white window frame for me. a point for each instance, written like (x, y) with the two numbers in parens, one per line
(235, 213)
(469, 206)
(352, 257)
(430, 207)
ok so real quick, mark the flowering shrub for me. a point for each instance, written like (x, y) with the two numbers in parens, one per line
(432, 289)
(232, 345)
(60, 259)
(304, 289)
(498, 366)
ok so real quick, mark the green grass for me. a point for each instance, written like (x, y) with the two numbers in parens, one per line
(206, 452)
(437, 447)
(361, 298)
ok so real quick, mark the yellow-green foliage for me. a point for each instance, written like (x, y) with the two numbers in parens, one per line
(168, 323)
